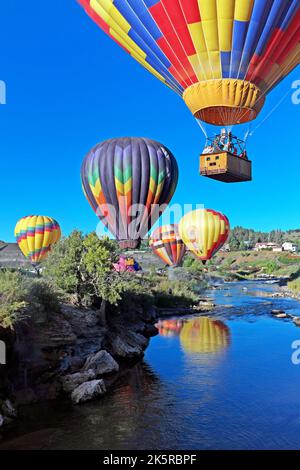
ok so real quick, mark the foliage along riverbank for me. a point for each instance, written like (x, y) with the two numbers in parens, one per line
(243, 265)
(73, 331)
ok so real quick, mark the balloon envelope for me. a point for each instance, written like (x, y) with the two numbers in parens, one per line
(204, 232)
(166, 243)
(222, 57)
(129, 182)
(36, 234)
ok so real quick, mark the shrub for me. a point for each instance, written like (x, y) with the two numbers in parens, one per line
(42, 298)
(12, 298)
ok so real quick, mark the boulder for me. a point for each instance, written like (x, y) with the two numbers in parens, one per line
(101, 363)
(296, 320)
(122, 349)
(8, 410)
(1, 421)
(87, 391)
(277, 312)
(72, 381)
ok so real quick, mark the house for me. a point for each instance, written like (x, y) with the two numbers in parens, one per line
(289, 246)
(267, 246)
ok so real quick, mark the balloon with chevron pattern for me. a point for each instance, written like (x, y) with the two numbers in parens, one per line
(129, 183)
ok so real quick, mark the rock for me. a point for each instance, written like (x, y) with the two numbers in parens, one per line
(281, 315)
(149, 315)
(205, 306)
(1, 421)
(149, 331)
(101, 363)
(8, 409)
(88, 390)
(296, 320)
(277, 312)
(72, 381)
(122, 349)
(71, 364)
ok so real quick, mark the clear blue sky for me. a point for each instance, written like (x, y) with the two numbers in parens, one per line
(69, 86)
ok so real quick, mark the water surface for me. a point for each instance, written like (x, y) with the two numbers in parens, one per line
(224, 381)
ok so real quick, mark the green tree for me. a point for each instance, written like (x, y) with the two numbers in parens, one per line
(64, 265)
(99, 254)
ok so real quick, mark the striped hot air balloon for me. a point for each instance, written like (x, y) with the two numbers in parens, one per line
(222, 56)
(204, 232)
(166, 243)
(36, 234)
(129, 183)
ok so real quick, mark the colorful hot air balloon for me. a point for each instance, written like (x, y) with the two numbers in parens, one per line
(36, 234)
(222, 56)
(129, 182)
(204, 232)
(204, 335)
(166, 243)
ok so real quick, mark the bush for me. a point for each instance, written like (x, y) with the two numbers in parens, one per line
(42, 298)
(12, 298)
(22, 297)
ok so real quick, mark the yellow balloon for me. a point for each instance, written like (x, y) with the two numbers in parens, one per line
(204, 232)
(36, 234)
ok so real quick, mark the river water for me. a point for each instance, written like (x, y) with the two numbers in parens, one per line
(224, 381)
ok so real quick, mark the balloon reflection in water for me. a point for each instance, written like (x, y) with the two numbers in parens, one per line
(200, 335)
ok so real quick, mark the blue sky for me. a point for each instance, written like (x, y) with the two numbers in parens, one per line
(69, 87)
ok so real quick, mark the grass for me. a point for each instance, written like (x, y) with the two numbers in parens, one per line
(295, 285)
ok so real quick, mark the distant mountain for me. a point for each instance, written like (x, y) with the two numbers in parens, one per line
(11, 256)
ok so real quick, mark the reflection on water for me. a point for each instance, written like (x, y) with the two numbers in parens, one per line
(197, 335)
(224, 382)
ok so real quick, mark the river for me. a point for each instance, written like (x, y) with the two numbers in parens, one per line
(223, 381)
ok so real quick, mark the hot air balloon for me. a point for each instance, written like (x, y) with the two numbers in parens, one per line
(204, 232)
(221, 56)
(129, 183)
(204, 335)
(166, 243)
(36, 234)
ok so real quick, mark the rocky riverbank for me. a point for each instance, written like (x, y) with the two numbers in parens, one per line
(74, 356)
(71, 355)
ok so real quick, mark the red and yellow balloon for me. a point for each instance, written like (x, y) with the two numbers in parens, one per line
(204, 232)
(166, 243)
